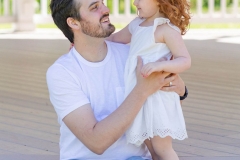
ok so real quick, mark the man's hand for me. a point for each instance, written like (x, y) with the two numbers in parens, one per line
(153, 82)
(177, 85)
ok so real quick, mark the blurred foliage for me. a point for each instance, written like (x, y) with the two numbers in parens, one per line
(193, 4)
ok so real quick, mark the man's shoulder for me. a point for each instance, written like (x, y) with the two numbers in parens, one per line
(118, 45)
(119, 49)
(62, 63)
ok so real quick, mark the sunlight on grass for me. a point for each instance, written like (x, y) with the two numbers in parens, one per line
(122, 25)
(48, 25)
(5, 26)
(214, 25)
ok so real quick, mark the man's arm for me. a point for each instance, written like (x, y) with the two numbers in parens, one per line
(99, 136)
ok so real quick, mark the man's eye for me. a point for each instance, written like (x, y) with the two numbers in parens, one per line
(95, 7)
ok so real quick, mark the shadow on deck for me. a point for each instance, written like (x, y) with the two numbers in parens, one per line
(28, 123)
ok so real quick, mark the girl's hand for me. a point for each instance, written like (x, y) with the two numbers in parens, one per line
(153, 82)
(151, 67)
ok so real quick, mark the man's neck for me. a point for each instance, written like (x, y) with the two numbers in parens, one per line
(90, 48)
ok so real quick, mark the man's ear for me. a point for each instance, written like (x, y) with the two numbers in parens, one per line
(72, 23)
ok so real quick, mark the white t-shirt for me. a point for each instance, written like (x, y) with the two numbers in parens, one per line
(73, 82)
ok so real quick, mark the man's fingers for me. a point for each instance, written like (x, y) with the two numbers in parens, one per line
(169, 79)
(166, 74)
(168, 89)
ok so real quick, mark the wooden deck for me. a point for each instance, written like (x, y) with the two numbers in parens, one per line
(28, 123)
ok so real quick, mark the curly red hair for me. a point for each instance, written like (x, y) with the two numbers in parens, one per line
(177, 11)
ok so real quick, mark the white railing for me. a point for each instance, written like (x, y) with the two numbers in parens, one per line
(7, 16)
(211, 16)
(19, 12)
(12, 9)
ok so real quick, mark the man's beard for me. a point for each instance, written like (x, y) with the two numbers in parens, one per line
(96, 30)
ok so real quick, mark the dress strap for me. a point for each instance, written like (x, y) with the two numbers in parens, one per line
(133, 25)
(160, 21)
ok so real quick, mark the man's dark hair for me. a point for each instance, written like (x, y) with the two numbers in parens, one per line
(61, 10)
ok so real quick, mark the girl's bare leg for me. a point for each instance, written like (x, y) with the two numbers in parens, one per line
(163, 148)
(151, 150)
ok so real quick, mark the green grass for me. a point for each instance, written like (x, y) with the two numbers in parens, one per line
(5, 26)
(214, 25)
(48, 25)
(121, 25)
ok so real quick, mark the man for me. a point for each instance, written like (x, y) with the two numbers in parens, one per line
(86, 85)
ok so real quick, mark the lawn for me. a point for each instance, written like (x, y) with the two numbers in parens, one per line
(121, 25)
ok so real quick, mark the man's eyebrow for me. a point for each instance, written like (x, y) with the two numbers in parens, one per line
(92, 4)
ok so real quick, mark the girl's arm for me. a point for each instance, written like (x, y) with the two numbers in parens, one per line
(174, 41)
(123, 36)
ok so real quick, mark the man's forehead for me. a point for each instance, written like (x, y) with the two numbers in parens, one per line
(87, 3)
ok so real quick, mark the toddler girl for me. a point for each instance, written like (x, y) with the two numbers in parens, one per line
(154, 34)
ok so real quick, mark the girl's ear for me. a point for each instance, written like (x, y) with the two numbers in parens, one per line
(72, 23)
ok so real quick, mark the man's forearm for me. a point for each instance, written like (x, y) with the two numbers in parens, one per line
(110, 129)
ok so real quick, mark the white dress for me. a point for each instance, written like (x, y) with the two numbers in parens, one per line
(161, 114)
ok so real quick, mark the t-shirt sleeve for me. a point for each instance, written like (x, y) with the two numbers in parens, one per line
(65, 91)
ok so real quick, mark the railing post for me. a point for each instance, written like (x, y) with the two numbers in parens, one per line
(6, 7)
(235, 8)
(24, 15)
(127, 7)
(14, 10)
(211, 7)
(115, 8)
(199, 7)
(43, 7)
(223, 7)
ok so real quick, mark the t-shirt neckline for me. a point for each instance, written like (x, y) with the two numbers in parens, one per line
(93, 64)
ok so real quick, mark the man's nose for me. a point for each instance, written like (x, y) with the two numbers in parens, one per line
(105, 9)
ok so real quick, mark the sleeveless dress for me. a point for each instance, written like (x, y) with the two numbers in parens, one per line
(161, 114)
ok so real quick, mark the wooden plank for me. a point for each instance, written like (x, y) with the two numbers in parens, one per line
(24, 92)
(16, 148)
(199, 151)
(209, 130)
(29, 117)
(29, 141)
(195, 121)
(216, 146)
(26, 101)
(31, 111)
(215, 106)
(29, 125)
(4, 152)
(236, 136)
(29, 132)
(212, 118)
(215, 113)
(28, 157)
(214, 138)
(182, 154)
(211, 158)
